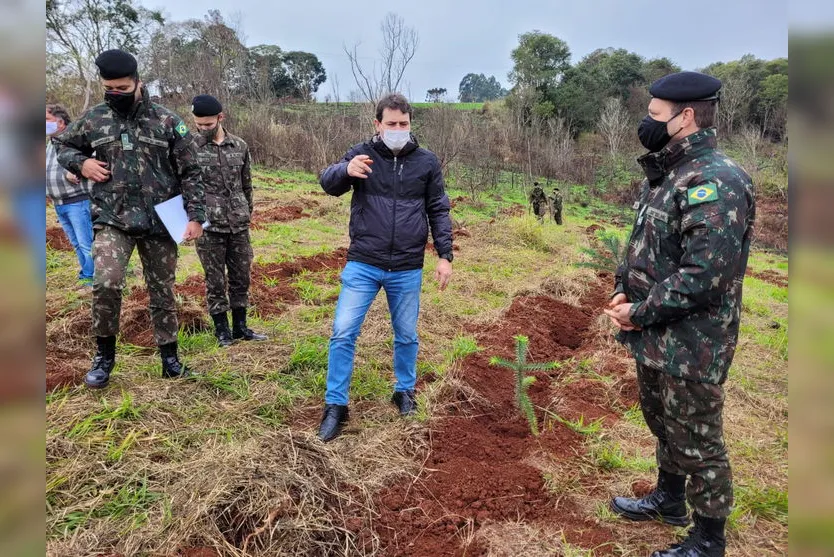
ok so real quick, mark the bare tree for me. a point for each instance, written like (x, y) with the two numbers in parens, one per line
(399, 45)
(78, 30)
(614, 125)
(735, 97)
(446, 131)
(752, 139)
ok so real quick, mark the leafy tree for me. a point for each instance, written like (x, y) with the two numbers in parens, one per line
(435, 95)
(539, 61)
(479, 88)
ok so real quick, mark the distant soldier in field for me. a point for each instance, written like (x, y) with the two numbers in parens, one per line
(144, 155)
(538, 201)
(225, 246)
(556, 205)
(677, 303)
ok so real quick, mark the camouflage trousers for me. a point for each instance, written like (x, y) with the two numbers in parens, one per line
(539, 209)
(112, 249)
(685, 416)
(557, 215)
(219, 252)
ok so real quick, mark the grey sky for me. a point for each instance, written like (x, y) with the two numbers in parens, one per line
(458, 37)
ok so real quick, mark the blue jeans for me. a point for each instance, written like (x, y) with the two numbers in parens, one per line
(78, 226)
(29, 206)
(360, 285)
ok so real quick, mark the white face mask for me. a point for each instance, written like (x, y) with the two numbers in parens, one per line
(51, 128)
(395, 139)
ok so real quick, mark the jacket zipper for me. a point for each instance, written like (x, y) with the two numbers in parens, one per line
(394, 221)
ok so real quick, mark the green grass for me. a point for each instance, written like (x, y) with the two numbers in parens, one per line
(634, 416)
(758, 502)
(580, 425)
(609, 456)
(129, 504)
(227, 382)
(309, 355)
(462, 347)
(125, 411)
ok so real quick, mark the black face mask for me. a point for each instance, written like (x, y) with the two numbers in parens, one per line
(210, 133)
(653, 134)
(120, 102)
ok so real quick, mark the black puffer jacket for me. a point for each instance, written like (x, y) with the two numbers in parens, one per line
(392, 210)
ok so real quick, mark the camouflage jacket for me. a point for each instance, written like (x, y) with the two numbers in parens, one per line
(151, 156)
(228, 182)
(537, 196)
(555, 200)
(686, 259)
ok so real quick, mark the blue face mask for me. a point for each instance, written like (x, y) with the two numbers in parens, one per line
(51, 128)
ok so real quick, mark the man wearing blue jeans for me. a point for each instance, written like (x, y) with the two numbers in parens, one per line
(71, 197)
(398, 195)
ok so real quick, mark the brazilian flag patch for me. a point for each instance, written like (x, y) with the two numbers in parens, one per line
(181, 129)
(702, 194)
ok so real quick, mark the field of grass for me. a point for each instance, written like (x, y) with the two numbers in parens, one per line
(229, 462)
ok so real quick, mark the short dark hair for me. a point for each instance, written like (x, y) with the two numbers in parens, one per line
(704, 111)
(394, 101)
(59, 112)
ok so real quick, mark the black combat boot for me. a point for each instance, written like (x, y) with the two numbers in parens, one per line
(705, 539)
(221, 329)
(405, 402)
(172, 368)
(239, 329)
(103, 362)
(666, 503)
(332, 420)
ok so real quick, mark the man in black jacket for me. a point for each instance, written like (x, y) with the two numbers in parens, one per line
(398, 194)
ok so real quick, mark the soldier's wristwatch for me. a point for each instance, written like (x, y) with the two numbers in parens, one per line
(447, 256)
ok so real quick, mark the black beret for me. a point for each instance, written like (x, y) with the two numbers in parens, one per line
(113, 64)
(686, 86)
(206, 105)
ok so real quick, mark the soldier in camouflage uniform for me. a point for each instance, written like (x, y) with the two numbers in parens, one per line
(225, 161)
(138, 154)
(677, 303)
(556, 205)
(538, 200)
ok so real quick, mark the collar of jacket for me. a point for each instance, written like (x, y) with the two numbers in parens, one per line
(227, 140)
(657, 165)
(382, 148)
(138, 109)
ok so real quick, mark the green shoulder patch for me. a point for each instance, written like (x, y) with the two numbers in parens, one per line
(702, 194)
(181, 129)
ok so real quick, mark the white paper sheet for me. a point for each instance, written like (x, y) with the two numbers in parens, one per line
(173, 216)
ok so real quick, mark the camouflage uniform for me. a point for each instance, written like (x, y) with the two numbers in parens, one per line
(152, 158)
(539, 201)
(683, 271)
(556, 206)
(225, 244)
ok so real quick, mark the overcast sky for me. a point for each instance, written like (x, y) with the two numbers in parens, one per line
(458, 37)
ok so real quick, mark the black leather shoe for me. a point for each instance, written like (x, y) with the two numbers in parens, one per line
(667, 503)
(332, 420)
(405, 401)
(245, 333)
(99, 374)
(705, 539)
(239, 329)
(172, 368)
(221, 329)
(224, 338)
